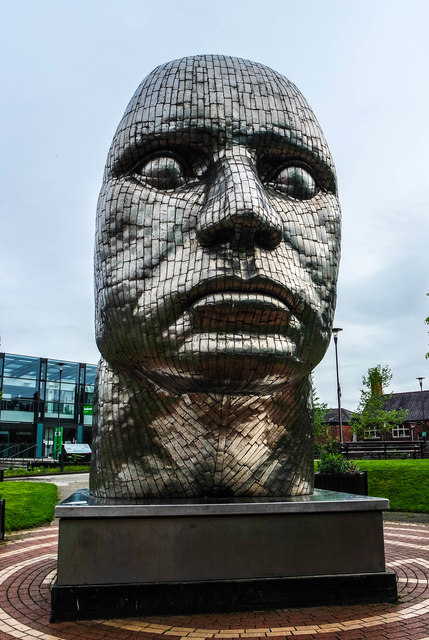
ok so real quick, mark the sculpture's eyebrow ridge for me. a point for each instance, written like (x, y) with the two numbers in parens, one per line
(279, 141)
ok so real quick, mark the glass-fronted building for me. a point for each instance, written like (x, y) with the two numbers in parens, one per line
(41, 398)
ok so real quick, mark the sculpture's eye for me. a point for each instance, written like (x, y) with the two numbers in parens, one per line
(295, 181)
(162, 172)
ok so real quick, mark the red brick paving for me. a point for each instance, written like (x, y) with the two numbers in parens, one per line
(26, 567)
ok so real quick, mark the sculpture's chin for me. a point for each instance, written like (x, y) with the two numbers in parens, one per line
(223, 386)
(217, 363)
(218, 373)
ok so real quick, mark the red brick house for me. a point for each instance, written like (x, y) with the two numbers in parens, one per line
(413, 428)
(331, 419)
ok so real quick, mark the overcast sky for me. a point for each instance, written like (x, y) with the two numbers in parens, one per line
(68, 69)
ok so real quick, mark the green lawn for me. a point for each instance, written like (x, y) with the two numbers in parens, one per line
(404, 482)
(28, 504)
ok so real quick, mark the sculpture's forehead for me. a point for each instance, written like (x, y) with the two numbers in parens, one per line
(226, 97)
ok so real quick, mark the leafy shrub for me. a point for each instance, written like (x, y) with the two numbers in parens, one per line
(335, 463)
(77, 459)
(332, 446)
(34, 471)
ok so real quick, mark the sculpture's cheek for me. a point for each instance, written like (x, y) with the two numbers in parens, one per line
(145, 252)
(143, 226)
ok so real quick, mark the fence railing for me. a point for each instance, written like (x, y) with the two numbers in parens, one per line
(19, 454)
(19, 450)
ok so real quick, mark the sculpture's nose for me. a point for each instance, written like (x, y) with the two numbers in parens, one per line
(237, 209)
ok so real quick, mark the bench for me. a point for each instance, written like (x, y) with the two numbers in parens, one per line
(383, 450)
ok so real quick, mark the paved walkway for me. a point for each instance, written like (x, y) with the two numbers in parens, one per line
(27, 569)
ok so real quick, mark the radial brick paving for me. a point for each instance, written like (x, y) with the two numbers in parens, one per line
(27, 569)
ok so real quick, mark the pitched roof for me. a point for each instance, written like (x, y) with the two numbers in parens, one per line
(331, 416)
(411, 400)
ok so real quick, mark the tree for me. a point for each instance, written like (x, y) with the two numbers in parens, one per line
(371, 413)
(320, 409)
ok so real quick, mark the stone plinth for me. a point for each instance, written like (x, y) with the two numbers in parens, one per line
(218, 555)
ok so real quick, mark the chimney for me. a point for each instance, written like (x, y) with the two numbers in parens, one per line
(376, 383)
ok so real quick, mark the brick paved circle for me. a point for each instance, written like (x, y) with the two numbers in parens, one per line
(27, 569)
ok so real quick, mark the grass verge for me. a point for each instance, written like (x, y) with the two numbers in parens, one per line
(28, 504)
(404, 482)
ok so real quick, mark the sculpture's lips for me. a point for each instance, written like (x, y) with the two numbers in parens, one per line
(258, 288)
(247, 311)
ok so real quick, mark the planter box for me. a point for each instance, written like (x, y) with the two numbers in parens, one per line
(345, 482)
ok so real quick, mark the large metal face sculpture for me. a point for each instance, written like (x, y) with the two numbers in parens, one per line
(217, 250)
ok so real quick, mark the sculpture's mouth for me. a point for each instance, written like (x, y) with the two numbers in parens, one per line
(248, 312)
(232, 294)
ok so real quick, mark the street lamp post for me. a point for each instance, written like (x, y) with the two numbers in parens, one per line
(336, 331)
(420, 379)
(60, 366)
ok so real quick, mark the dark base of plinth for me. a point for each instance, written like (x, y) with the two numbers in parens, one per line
(114, 601)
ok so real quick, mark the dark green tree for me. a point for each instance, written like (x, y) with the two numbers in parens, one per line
(321, 429)
(371, 412)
